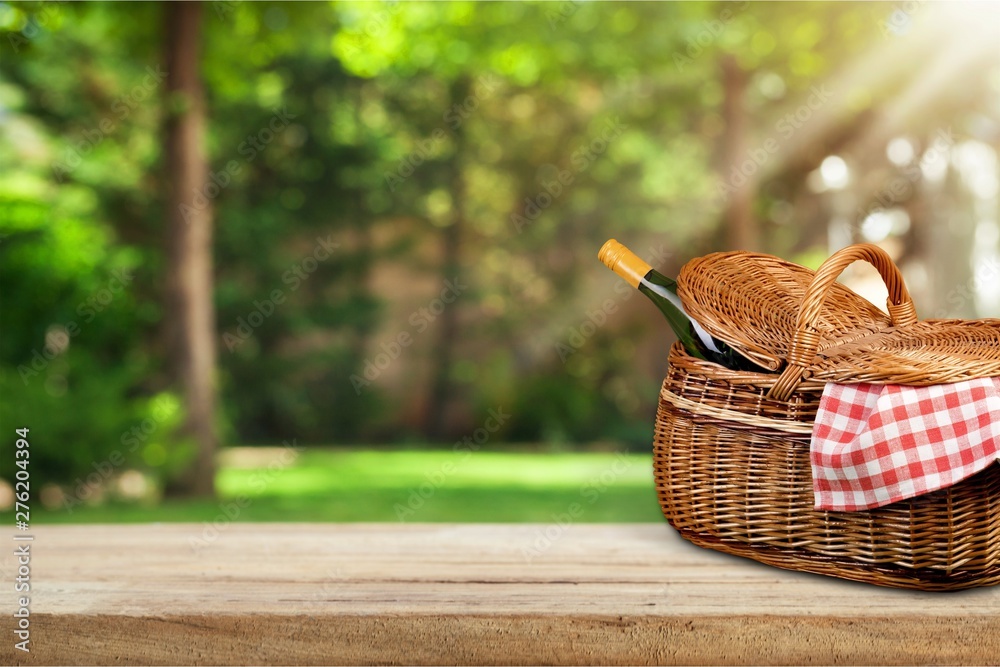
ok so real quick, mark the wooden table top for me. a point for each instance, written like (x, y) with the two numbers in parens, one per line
(461, 593)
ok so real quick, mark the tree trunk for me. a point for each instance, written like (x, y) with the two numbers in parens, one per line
(740, 227)
(190, 312)
(451, 247)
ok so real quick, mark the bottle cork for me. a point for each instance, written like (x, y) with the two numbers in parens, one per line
(624, 262)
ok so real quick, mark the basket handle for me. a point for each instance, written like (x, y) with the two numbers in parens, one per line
(805, 342)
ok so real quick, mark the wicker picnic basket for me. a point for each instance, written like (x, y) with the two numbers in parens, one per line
(731, 450)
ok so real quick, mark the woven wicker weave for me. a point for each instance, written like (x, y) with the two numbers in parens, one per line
(731, 452)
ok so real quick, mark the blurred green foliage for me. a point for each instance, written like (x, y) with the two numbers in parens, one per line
(361, 154)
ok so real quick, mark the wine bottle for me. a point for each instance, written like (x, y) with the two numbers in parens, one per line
(662, 291)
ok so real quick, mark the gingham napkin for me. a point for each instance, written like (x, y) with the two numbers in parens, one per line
(875, 444)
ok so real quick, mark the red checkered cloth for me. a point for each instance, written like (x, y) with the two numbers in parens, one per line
(875, 444)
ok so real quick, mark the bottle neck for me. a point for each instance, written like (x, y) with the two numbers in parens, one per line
(656, 283)
(662, 291)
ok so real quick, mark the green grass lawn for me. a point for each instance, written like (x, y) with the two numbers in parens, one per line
(403, 485)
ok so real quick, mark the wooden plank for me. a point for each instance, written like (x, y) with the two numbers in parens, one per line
(469, 594)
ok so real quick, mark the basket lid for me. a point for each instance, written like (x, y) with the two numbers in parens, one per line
(784, 316)
(922, 353)
(751, 301)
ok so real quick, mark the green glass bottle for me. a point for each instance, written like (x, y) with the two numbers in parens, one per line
(662, 291)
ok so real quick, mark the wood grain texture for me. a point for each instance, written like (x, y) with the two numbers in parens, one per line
(468, 594)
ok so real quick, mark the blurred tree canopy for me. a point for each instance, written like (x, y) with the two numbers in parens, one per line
(408, 199)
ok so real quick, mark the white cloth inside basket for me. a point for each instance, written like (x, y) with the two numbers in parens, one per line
(876, 444)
